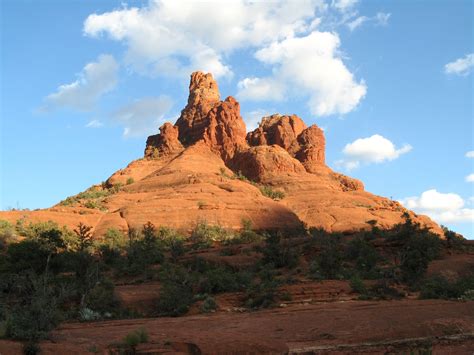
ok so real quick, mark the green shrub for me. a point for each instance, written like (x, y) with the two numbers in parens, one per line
(278, 254)
(357, 285)
(416, 254)
(130, 181)
(95, 204)
(36, 311)
(7, 234)
(31, 348)
(364, 254)
(209, 305)
(133, 339)
(273, 194)
(329, 262)
(204, 235)
(176, 294)
(453, 240)
(437, 286)
(263, 292)
(101, 298)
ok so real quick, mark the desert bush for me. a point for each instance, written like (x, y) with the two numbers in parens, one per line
(176, 294)
(133, 339)
(364, 255)
(383, 290)
(31, 348)
(438, 286)
(452, 239)
(203, 235)
(36, 311)
(268, 191)
(328, 264)
(209, 305)
(357, 285)
(130, 181)
(7, 234)
(101, 297)
(263, 292)
(278, 254)
(416, 254)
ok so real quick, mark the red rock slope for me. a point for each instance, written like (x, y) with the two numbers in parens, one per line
(192, 172)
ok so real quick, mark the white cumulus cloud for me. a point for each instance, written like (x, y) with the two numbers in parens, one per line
(461, 66)
(182, 36)
(96, 79)
(309, 65)
(470, 178)
(470, 154)
(374, 149)
(143, 116)
(442, 207)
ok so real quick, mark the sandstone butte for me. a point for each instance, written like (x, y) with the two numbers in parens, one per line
(188, 175)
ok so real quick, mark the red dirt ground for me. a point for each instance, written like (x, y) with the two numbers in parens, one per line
(338, 327)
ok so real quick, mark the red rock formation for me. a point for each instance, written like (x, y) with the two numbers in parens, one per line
(166, 142)
(310, 147)
(307, 144)
(264, 160)
(277, 129)
(226, 129)
(189, 178)
(203, 96)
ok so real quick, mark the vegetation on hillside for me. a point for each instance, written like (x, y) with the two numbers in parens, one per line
(50, 274)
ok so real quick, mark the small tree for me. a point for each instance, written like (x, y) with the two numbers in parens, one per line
(84, 235)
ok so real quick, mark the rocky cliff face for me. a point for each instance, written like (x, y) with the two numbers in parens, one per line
(189, 174)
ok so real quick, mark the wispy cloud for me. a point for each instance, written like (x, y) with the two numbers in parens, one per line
(143, 116)
(94, 124)
(380, 19)
(461, 66)
(96, 79)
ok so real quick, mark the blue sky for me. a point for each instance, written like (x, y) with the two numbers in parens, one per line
(84, 82)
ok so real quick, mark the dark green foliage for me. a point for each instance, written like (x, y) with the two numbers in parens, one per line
(329, 262)
(382, 290)
(453, 240)
(209, 305)
(36, 310)
(277, 253)
(132, 340)
(364, 255)
(143, 251)
(101, 297)
(273, 194)
(357, 285)
(263, 292)
(7, 234)
(130, 181)
(27, 255)
(31, 348)
(438, 286)
(176, 293)
(416, 254)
